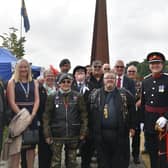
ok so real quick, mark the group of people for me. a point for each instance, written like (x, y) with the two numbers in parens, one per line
(95, 109)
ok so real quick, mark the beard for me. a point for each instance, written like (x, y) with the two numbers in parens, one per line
(109, 87)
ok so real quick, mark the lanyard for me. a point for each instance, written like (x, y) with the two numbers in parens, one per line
(26, 91)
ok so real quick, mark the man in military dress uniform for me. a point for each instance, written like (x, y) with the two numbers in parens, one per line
(154, 103)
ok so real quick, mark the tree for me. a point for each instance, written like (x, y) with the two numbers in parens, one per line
(12, 43)
(143, 68)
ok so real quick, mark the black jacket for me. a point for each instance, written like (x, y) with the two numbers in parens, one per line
(127, 119)
(65, 115)
(129, 84)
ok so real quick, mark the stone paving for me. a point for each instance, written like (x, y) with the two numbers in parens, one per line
(93, 165)
(132, 165)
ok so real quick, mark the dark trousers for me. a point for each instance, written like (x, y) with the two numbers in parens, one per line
(136, 143)
(108, 150)
(87, 151)
(44, 152)
(152, 146)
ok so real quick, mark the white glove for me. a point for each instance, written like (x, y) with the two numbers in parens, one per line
(142, 126)
(161, 122)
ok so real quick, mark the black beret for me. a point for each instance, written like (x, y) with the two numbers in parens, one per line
(155, 57)
(64, 76)
(79, 68)
(64, 61)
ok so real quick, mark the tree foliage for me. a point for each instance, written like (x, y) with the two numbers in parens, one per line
(143, 67)
(13, 43)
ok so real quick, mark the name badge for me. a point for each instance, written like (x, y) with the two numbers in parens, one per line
(161, 88)
(56, 105)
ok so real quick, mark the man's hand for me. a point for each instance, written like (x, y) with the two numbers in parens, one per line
(138, 103)
(82, 137)
(132, 132)
(161, 122)
(49, 140)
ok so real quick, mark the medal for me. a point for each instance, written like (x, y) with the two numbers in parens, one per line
(26, 91)
(106, 111)
(27, 96)
(161, 88)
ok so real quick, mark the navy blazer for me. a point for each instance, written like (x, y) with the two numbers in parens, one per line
(129, 84)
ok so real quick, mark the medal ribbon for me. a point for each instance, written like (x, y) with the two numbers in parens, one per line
(26, 91)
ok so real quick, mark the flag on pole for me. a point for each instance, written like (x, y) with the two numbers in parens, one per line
(25, 16)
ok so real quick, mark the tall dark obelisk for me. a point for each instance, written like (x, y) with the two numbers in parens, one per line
(100, 49)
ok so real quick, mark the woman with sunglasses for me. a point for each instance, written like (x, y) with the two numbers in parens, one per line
(65, 122)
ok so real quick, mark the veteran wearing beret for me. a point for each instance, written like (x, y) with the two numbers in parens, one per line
(154, 102)
(65, 122)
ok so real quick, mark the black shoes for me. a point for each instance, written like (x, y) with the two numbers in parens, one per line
(136, 160)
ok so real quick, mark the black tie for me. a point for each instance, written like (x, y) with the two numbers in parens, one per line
(79, 86)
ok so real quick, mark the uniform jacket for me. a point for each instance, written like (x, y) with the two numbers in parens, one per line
(65, 116)
(154, 100)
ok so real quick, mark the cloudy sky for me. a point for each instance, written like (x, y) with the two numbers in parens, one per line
(63, 29)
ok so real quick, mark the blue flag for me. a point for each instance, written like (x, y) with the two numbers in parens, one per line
(25, 16)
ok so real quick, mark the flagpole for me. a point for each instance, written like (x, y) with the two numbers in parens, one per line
(21, 20)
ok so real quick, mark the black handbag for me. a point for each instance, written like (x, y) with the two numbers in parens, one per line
(30, 137)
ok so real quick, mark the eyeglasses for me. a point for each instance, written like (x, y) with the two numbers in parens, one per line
(50, 79)
(131, 71)
(66, 81)
(117, 66)
(110, 78)
(106, 68)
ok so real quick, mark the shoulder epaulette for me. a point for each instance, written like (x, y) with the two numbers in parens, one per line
(165, 74)
(147, 76)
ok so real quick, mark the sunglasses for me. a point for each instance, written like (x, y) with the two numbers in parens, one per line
(106, 68)
(110, 78)
(97, 66)
(66, 81)
(131, 71)
(117, 66)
